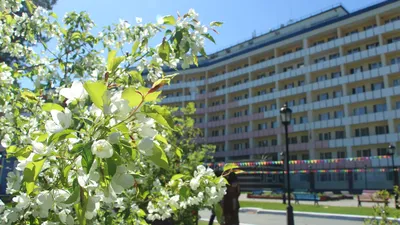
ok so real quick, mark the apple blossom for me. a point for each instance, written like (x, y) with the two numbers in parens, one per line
(60, 122)
(75, 92)
(102, 149)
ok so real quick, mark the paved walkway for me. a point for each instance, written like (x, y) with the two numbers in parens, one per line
(268, 219)
(344, 202)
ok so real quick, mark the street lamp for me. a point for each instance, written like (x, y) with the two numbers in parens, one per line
(391, 151)
(286, 117)
(365, 176)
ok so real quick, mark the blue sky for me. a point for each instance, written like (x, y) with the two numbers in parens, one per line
(241, 17)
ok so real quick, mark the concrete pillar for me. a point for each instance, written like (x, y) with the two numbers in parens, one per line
(381, 40)
(349, 152)
(342, 70)
(339, 32)
(386, 81)
(341, 52)
(305, 43)
(391, 125)
(378, 20)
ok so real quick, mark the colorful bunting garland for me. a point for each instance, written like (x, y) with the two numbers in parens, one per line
(295, 162)
(321, 171)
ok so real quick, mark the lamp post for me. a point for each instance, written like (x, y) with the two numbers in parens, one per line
(286, 117)
(391, 151)
(310, 177)
(365, 176)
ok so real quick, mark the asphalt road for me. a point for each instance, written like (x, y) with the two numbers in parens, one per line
(269, 219)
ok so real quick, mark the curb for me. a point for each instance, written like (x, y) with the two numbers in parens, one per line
(214, 222)
(314, 215)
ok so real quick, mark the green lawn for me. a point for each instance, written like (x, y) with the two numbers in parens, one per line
(365, 211)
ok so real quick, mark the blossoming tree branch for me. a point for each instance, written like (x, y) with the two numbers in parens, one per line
(91, 143)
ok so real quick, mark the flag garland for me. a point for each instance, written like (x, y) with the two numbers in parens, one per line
(321, 171)
(296, 162)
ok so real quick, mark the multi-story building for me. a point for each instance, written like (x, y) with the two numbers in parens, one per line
(338, 71)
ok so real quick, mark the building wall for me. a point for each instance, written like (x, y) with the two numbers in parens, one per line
(339, 110)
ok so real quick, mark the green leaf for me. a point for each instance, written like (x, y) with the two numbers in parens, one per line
(65, 174)
(203, 52)
(52, 106)
(96, 91)
(62, 135)
(230, 166)
(11, 149)
(75, 195)
(177, 176)
(219, 213)
(159, 158)
(112, 165)
(87, 158)
(31, 7)
(31, 173)
(113, 61)
(184, 192)
(42, 138)
(136, 76)
(164, 50)
(52, 14)
(132, 96)
(160, 119)
(178, 152)
(170, 20)
(216, 24)
(209, 37)
(135, 47)
(76, 35)
(161, 139)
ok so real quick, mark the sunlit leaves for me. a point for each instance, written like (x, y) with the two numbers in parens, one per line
(169, 20)
(31, 174)
(96, 91)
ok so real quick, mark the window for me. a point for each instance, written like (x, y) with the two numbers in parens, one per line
(289, 68)
(291, 103)
(339, 114)
(292, 140)
(361, 132)
(325, 155)
(271, 73)
(352, 32)
(332, 38)
(382, 151)
(395, 61)
(263, 143)
(375, 65)
(324, 116)
(325, 136)
(305, 157)
(293, 121)
(322, 78)
(262, 126)
(303, 101)
(356, 70)
(322, 59)
(301, 83)
(396, 82)
(262, 109)
(337, 94)
(318, 42)
(300, 65)
(364, 153)
(373, 45)
(369, 26)
(293, 157)
(263, 92)
(274, 124)
(291, 85)
(381, 130)
(303, 119)
(339, 134)
(274, 142)
(380, 108)
(360, 111)
(334, 56)
(358, 90)
(341, 154)
(304, 139)
(351, 51)
(323, 96)
(273, 106)
(393, 40)
(377, 86)
(392, 19)
(398, 105)
(336, 75)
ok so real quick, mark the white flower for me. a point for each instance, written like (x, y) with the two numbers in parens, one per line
(2, 206)
(39, 148)
(65, 218)
(60, 122)
(6, 141)
(146, 146)
(194, 183)
(102, 149)
(90, 180)
(14, 180)
(22, 163)
(45, 202)
(77, 91)
(93, 205)
(114, 138)
(121, 180)
(138, 20)
(23, 201)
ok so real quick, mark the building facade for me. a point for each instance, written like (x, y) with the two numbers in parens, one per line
(338, 71)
